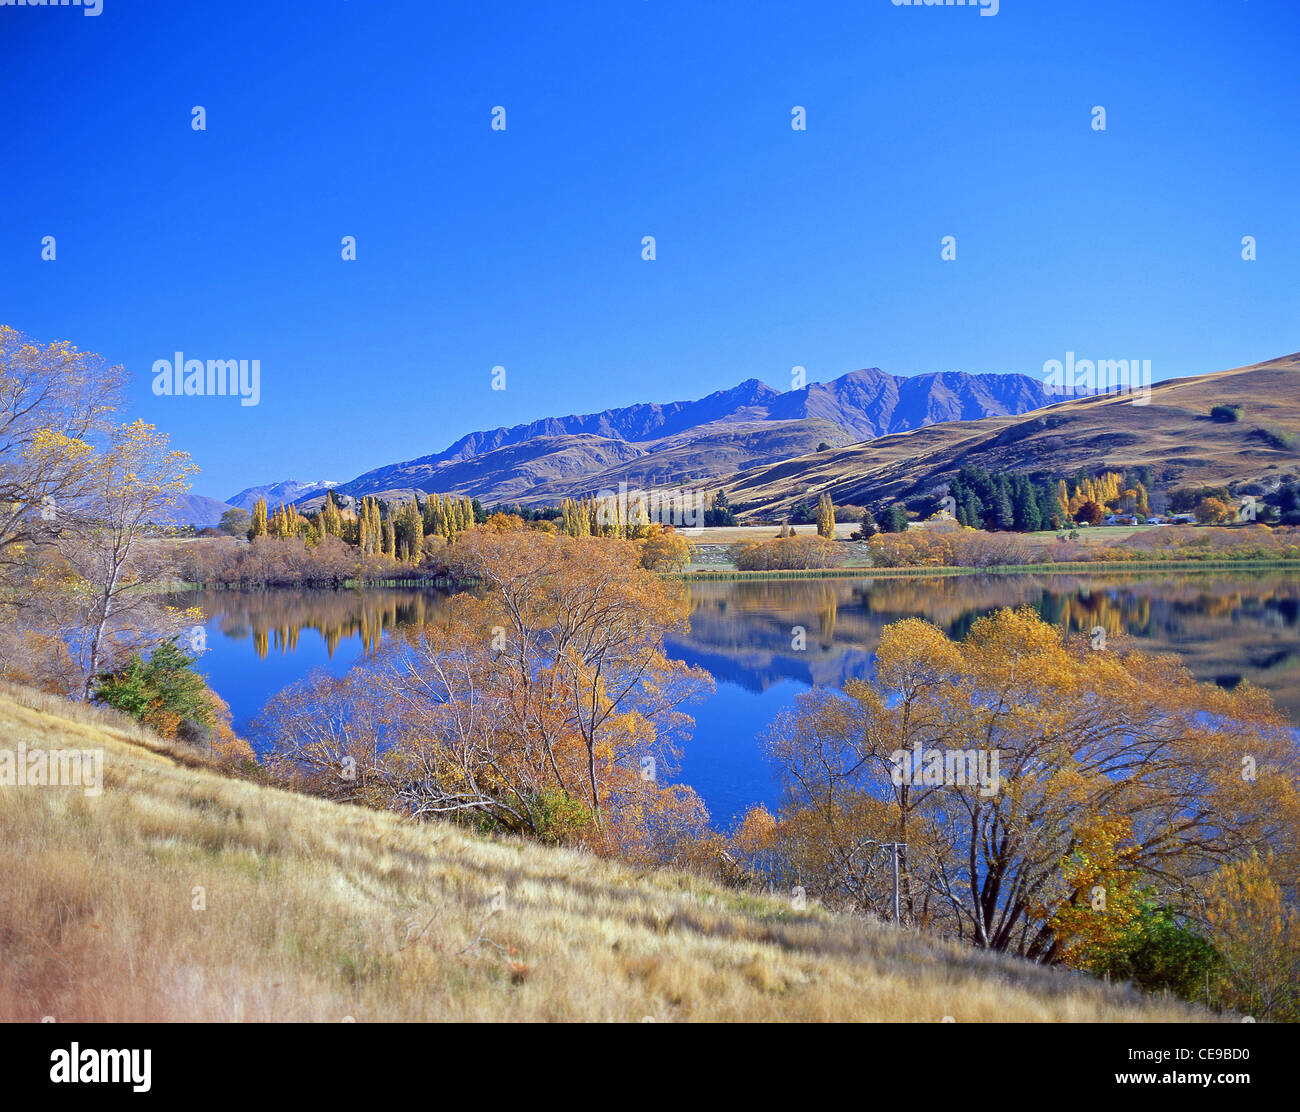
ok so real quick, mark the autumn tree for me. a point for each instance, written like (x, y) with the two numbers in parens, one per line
(1089, 513)
(544, 703)
(1142, 501)
(408, 527)
(1111, 764)
(826, 517)
(54, 403)
(1212, 511)
(665, 549)
(638, 518)
(107, 570)
(331, 520)
(1256, 931)
(504, 523)
(573, 519)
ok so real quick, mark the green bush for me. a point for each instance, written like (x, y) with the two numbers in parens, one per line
(1226, 413)
(559, 817)
(1276, 437)
(1160, 952)
(164, 684)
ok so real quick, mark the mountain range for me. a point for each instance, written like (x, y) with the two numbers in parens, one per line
(197, 510)
(203, 512)
(865, 438)
(651, 444)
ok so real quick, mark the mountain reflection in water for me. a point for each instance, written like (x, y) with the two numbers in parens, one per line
(1225, 628)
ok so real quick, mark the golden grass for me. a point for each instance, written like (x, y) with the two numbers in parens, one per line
(316, 911)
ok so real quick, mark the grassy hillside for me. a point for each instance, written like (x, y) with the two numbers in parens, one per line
(1173, 434)
(317, 911)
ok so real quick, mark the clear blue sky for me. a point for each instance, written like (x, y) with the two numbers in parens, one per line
(628, 118)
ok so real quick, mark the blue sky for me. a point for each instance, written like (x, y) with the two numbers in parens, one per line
(628, 118)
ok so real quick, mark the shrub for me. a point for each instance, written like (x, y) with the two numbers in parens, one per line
(1158, 952)
(1277, 437)
(665, 550)
(786, 554)
(164, 691)
(952, 547)
(560, 819)
(1213, 511)
(1226, 413)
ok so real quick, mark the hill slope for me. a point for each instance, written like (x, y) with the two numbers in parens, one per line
(1173, 434)
(318, 911)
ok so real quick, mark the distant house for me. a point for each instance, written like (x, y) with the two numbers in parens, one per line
(1156, 521)
(1183, 519)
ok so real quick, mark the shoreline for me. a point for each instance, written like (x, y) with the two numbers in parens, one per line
(444, 583)
(1080, 567)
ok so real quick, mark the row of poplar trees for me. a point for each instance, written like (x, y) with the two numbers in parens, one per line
(400, 534)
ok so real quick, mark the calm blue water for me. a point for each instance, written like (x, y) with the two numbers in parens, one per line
(1224, 628)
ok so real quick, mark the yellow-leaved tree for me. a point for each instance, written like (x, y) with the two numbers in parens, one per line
(54, 399)
(1256, 932)
(1048, 768)
(107, 568)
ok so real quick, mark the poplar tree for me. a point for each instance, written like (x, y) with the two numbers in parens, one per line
(826, 516)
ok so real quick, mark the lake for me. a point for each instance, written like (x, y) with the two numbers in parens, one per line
(1224, 627)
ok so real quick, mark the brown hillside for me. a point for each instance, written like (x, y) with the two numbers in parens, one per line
(1173, 434)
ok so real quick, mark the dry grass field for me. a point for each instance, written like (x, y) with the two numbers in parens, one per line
(314, 911)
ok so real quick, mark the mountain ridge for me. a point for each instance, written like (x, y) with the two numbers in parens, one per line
(671, 443)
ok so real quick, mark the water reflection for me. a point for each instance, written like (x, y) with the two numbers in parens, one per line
(1224, 628)
(275, 619)
(748, 635)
